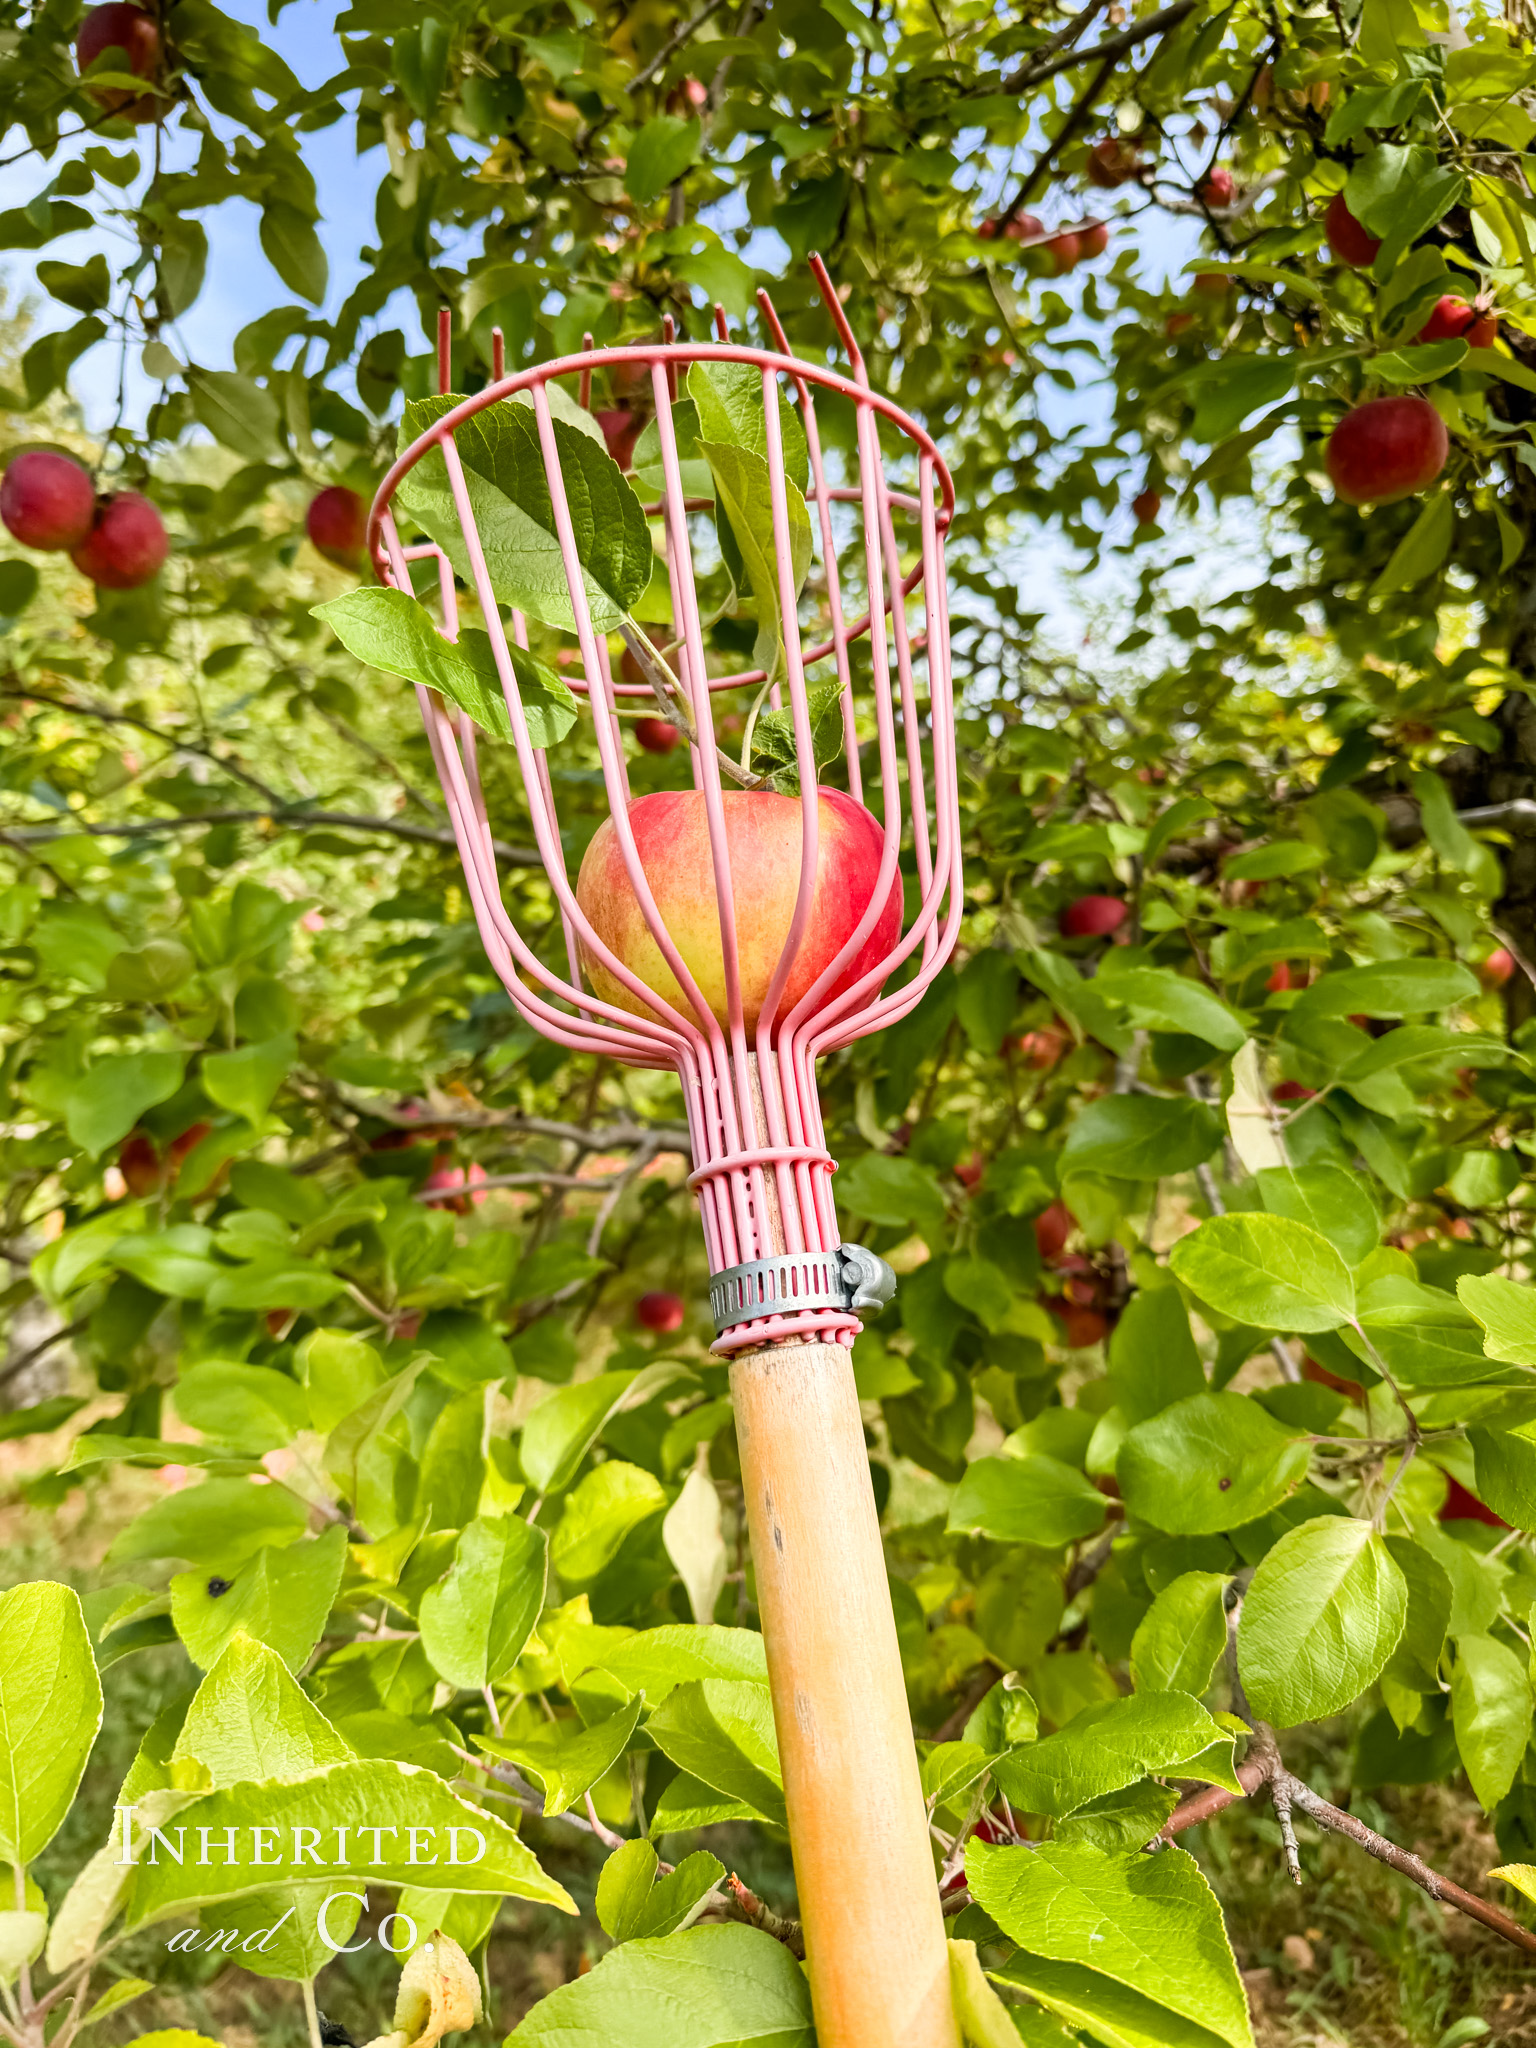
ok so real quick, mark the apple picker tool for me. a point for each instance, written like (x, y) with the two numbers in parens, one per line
(734, 933)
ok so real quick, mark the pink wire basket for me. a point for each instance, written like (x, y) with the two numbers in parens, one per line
(761, 1172)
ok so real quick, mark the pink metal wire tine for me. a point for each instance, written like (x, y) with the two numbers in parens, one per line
(828, 554)
(762, 1174)
(444, 351)
(834, 306)
(498, 355)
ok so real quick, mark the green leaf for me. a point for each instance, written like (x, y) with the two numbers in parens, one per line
(1179, 1640)
(1153, 1358)
(1228, 391)
(1026, 1500)
(1491, 1711)
(659, 155)
(566, 1758)
(476, 1619)
(1268, 1271)
(393, 631)
(744, 503)
(282, 1598)
(1415, 1663)
(252, 1407)
(600, 1512)
(660, 1659)
(107, 1101)
(560, 1431)
(1140, 1137)
(50, 1713)
(509, 493)
(1506, 1312)
(1505, 1461)
(985, 2022)
(891, 1189)
(238, 413)
(359, 1796)
(721, 1731)
(1386, 988)
(246, 1080)
(1148, 1924)
(710, 1987)
(623, 1887)
(249, 1719)
(219, 1524)
(1419, 366)
(1328, 1200)
(1208, 1464)
(1114, 1744)
(1324, 1613)
(1172, 1002)
(294, 250)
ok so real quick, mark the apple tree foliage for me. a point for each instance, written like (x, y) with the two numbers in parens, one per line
(1208, 1398)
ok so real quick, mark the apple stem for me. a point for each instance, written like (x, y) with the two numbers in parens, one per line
(671, 700)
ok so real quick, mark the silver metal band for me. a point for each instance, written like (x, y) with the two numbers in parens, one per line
(848, 1277)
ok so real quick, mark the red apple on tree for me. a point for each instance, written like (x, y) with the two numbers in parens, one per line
(1454, 320)
(1112, 162)
(660, 1312)
(1063, 252)
(1053, 1226)
(1093, 241)
(1024, 227)
(1386, 449)
(1092, 917)
(46, 500)
(656, 735)
(119, 26)
(621, 430)
(337, 525)
(1348, 240)
(1042, 1049)
(1145, 506)
(126, 545)
(140, 1164)
(1496, 969)
(763, 841)
(1213, 284)
(1218, 187)
(447, 1187)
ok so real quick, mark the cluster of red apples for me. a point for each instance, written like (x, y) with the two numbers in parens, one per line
(47, 501)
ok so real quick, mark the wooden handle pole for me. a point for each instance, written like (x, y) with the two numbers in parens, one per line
(869, 1900)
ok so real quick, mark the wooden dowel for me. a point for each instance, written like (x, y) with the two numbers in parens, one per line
(868, 1896)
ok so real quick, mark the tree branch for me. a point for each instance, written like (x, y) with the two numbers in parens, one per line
(287, 820)
(1264, 1768)
(1073, 126)
(680, 35)
(751, 1909)
(1032, 71)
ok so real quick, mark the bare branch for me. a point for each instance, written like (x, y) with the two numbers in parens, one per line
(1033, 70)
(287, 820)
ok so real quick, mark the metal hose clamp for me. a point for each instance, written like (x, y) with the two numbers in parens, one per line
(848, 1277)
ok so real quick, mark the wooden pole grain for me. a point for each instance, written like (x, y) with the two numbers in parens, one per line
(875, 1943)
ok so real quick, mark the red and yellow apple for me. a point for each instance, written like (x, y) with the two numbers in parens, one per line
(763, 840)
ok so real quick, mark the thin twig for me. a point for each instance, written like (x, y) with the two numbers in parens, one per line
(751, 1909)
(1032, 72)
(287, 820)
(674, 43)
(19, 1365)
